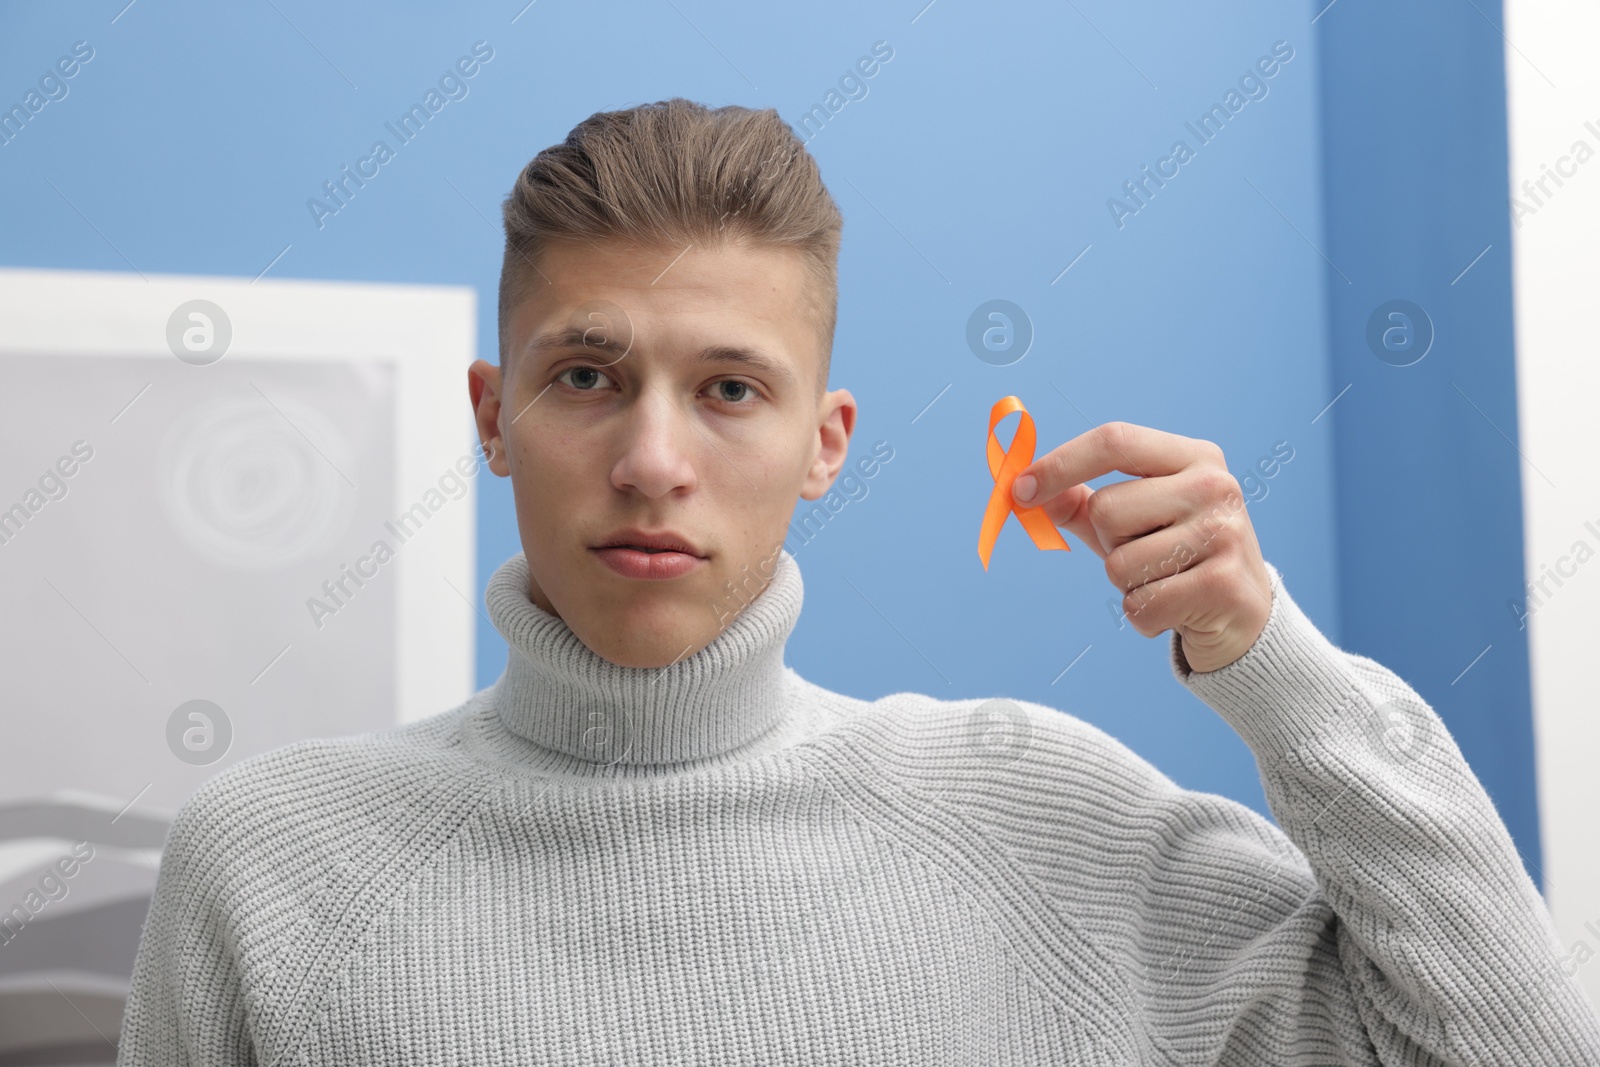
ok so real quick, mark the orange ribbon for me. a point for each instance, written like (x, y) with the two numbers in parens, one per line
(1004, 466)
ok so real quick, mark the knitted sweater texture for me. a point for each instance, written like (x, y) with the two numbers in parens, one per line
(719, 862)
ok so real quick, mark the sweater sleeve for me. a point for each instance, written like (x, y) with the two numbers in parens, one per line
(185, 1005)
(1445, 948)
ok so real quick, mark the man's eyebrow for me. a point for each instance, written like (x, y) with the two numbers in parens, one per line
(596, 340)
(746, 357)
(575, 337)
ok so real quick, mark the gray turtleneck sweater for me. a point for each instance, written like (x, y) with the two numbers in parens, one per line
(719, 862)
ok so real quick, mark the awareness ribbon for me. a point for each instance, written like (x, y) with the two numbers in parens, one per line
(1004, 466)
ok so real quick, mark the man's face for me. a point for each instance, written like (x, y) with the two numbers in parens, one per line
(640, 421)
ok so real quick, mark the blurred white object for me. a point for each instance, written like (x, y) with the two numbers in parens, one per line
(1552, 85)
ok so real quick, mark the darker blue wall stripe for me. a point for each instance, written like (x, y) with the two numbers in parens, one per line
(1429, 477)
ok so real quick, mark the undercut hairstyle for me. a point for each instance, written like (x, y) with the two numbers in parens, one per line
(671, 174)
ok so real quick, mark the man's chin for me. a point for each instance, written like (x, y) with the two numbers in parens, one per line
(655, 649)
(646, 624)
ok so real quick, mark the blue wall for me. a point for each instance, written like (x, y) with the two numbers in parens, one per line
(1429, 478)
(980, 163)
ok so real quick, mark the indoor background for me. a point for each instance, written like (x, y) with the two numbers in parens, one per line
(1363, 280)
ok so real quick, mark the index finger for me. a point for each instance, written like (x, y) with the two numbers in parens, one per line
(1111, 446)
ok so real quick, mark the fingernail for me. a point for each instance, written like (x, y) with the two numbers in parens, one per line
(1024, 488)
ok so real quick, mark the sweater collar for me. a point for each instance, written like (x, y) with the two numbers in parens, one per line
(563, 697)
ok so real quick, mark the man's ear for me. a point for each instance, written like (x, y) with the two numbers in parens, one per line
(838, 422)
(484, 388)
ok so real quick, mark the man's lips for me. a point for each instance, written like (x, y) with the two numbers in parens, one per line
(634, 562)
(643, 540)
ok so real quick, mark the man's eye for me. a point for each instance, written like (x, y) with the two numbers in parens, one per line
(739, 398)
(577, 371)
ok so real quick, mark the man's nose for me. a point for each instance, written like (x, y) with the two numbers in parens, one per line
(660, 446)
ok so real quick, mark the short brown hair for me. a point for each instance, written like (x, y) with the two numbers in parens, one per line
(671, 173)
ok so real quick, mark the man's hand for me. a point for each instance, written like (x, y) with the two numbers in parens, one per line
(1176, 539)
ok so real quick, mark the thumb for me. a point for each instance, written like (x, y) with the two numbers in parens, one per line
(1069, 510)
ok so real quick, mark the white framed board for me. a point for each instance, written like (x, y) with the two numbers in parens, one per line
(198, 472)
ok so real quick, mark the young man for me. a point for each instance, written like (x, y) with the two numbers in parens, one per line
(652, 842)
